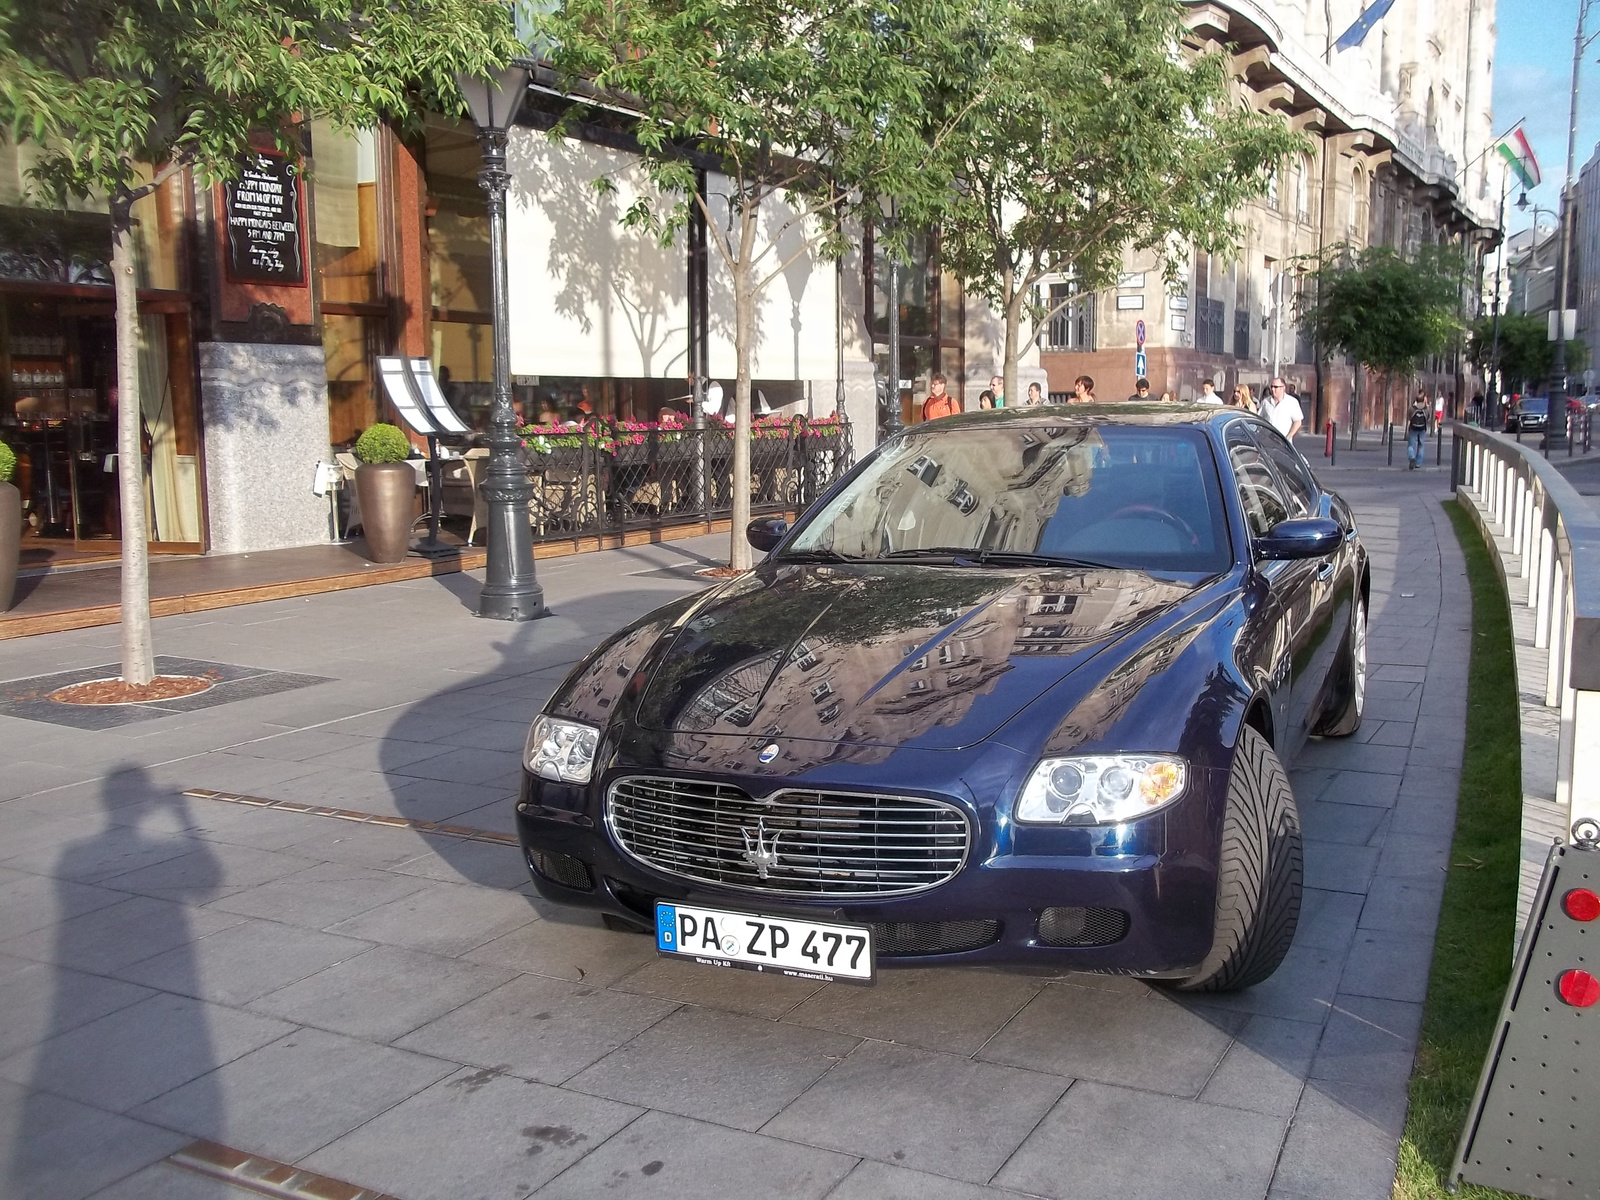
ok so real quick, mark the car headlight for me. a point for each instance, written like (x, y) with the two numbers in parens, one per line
(1100, 789)
(561, 750)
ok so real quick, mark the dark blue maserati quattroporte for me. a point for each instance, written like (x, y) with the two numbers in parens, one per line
(1018, 689)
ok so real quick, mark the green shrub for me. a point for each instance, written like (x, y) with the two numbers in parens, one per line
(383, 444)
(8, 463)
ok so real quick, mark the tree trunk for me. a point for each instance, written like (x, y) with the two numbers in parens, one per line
(1008, 370)
(1008, 354)
(744, 308)
(138, 656)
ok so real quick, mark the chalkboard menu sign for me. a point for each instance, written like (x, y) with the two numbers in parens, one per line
(265, 238)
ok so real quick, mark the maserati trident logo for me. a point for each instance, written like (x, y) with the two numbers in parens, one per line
(768, 752)
(760, 851)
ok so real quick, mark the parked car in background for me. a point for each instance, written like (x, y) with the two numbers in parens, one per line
(1017, 690)
(1530, 414)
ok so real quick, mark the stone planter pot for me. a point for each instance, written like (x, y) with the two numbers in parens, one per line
(10, 542)
(385, 492)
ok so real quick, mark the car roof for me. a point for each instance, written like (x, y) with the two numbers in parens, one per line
(1156, 414)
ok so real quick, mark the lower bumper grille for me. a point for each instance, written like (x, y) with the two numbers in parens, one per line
(903, 939)
(562, 868)
(1082, 926)
(793, 842)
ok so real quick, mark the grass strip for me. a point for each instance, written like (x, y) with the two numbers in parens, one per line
(1472, 950)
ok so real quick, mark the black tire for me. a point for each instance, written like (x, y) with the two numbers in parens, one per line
(1349, 699)
(622, 925)
(1259, 873)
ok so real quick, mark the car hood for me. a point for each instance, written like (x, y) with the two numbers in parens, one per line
(887, 654)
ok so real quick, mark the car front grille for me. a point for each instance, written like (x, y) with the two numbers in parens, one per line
(793, 842)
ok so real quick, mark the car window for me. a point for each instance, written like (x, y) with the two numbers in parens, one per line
(1264, 505)
(1302, 489)
(1138, 497)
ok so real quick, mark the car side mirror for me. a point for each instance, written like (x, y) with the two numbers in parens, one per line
(764, 533)
(1304, 537)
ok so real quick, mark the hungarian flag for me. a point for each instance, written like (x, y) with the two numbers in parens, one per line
(1519, 157)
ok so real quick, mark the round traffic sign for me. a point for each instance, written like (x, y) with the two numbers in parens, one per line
(1138, 331)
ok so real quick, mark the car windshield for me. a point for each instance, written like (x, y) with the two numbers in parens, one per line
(1019, 494)
(1535, 404)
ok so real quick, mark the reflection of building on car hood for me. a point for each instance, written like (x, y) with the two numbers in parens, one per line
(838, 684)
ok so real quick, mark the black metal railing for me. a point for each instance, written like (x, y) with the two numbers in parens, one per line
(616, 477)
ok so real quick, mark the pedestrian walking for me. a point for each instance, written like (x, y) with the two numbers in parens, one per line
(1417, 432)
(1244, 398)
(997, 385)
(985, 399)
(1141, 390)
(1035, 394)
(1282, 409)
(939, 403)
(1208, 392)
(1477, 408)
(1082, 390)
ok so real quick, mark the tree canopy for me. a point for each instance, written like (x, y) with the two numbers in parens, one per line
(809, 109)
(1079, 129)
(1384, 309)
(1527, 355)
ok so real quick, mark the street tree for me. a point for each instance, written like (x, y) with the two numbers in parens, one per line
(1387, 311)
(810, 110)
(1527, 355)
(1081, 129)
(120, 95)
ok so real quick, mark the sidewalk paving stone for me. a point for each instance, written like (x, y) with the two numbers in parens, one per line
(243, 962)
(381, 994)
(921, 1109)
(137, 1053)
(294, 1095)
(956, 1011)
(879, 1181)
(538, 1028)
(442, 918)
(321, 895)
(1151, 1042)
(477, 1133)
(1111, 1143)
(58, 1149)
(664, 1157)
(735, 1071)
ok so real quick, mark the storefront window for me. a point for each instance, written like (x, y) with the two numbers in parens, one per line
(350, 346)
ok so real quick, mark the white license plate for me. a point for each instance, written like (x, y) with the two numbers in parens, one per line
(775, 945)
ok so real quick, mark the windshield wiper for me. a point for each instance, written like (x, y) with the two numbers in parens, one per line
(976, 556)
(814, 556)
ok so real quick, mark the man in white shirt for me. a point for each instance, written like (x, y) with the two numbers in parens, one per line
(1208, 393)
(1282, 409)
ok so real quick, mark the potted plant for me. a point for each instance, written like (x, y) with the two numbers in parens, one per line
(10, 526)
(385, 486)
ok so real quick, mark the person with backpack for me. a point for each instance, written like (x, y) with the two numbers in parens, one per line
(1417, 432)
(939, 403)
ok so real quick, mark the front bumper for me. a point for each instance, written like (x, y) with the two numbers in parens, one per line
(1167, 894)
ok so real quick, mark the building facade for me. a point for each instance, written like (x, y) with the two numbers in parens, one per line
(1584, 293)
(1399, 128)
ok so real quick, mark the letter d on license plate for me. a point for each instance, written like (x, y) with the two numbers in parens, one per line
(773, 945)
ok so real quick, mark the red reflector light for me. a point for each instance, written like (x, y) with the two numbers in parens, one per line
(1581, 904)
(1578, 988)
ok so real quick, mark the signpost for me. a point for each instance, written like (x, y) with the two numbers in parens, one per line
(1531, 1125)
(1139, 367)
(266, 236)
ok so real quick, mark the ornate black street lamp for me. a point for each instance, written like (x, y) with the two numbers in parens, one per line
(511, 592)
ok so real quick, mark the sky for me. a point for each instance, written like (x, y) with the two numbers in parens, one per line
(1533, 80)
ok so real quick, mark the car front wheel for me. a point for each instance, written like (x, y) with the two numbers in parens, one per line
(1258, 873)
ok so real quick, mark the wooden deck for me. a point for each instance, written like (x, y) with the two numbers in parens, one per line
(88, 596)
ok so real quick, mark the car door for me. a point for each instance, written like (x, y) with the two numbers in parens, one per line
(1332, 583)
(1261, 496)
